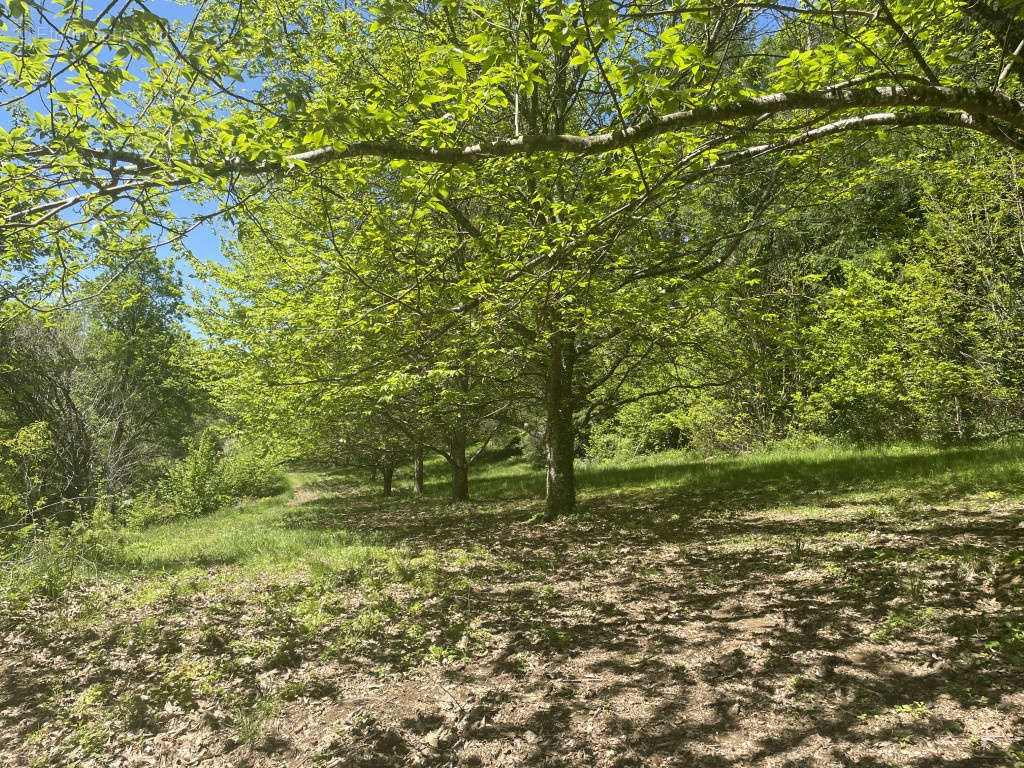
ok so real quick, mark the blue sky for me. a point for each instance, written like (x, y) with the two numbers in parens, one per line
(203, 242)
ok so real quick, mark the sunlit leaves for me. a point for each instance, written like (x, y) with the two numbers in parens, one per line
(131, 98)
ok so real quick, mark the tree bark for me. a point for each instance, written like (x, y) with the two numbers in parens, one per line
(560, 432)
(388, 476)
(417, 471)
(459, 465)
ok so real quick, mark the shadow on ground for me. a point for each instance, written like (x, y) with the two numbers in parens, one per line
(786, 615)
(794, 612)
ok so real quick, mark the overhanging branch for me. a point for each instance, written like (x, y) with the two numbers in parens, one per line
(989, 112)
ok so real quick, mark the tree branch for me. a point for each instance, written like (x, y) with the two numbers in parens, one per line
(990, 112)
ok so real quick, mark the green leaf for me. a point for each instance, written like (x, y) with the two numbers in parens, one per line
(431, 99)
(458, 67)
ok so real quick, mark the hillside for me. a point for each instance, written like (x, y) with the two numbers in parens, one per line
(817, 608)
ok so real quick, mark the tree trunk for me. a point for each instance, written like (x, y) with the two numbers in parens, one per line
(560, 432)
(388, 475)
(459, 465)
(417, 471)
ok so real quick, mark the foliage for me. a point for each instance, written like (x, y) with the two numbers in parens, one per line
(640, 428)
(48, 559)
(628, 168)
(887, 325)
(111, 388)
(208, 477)
(192, 487)
(140, 373)
(22, 460)
(249, 470)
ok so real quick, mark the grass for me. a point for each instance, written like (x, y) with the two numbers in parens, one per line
(250, 536)
(909, 472)
(840, 600)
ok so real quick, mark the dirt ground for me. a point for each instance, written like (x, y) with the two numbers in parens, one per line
(648, 630)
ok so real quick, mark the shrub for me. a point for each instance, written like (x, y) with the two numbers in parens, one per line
(193, 487)
(47, 559)
(250, 471)
(636, 429)
(22, 461)
(144, 510)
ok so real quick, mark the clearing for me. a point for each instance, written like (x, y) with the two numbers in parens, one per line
(829, 608)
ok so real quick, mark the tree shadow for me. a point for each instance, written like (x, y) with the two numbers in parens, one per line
(931, 474)
(673, 627)
(747, 615)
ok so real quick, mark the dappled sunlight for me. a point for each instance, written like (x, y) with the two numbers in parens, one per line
(821, 477)
(466, 384)
(742, 615)
(731, 633)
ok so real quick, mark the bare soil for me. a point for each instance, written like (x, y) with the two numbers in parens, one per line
(647, 630)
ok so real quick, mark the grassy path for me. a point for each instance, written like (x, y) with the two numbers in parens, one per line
(825, 609)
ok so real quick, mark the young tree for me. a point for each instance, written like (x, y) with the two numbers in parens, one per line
(353, 324)
(144, 397)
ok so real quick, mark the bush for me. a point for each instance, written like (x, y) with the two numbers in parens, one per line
(193, 487)
(248, 471)
(636, 429)
(207, 478)
(144, 510)
(47, 559)
(22, 461)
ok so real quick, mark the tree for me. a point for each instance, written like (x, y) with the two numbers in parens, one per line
(668, 72)
(351, 326)
(38, 389)
(108, 386)
(574, 122)
(137, 376)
